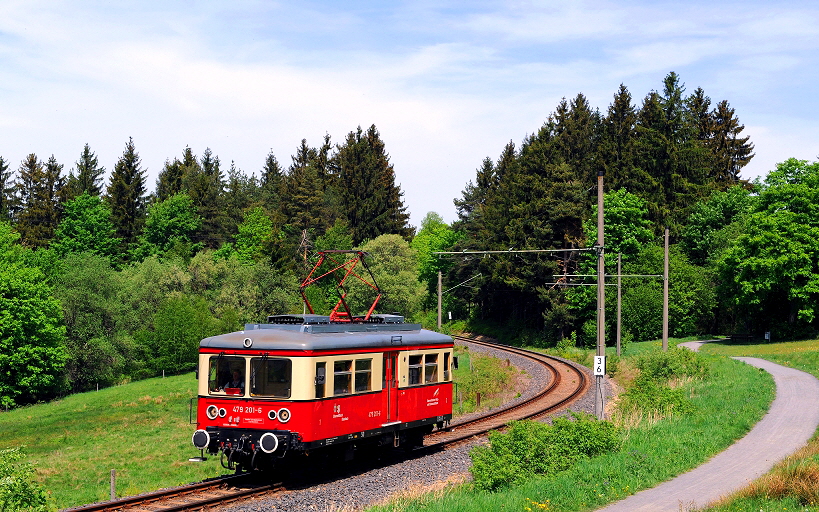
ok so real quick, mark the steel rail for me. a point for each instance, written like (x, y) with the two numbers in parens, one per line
(539, 405)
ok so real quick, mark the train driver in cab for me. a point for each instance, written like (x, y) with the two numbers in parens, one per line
(237, 382)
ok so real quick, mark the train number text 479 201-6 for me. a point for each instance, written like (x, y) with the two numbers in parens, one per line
(374, 414)
(239, 408)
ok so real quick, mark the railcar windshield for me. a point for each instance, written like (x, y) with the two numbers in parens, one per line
(271, 377)
(226, 375)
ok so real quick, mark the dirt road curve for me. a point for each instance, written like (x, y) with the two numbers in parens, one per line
(790, 422)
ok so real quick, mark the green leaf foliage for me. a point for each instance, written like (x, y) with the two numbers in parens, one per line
(32, 337)
(530, 448)
(392, 262)
(18, 489)
(651, 392)
(435, 235)
(708, 229)
(170, 226)
(771, 273)
(86, 227)
(255, 236)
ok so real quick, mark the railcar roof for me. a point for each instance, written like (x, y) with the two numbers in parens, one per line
(314, 334)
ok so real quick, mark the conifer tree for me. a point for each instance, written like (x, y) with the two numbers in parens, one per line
(6, 191)
(204, 183)
(126, 195)
(619, 133)
(368, 194)
(731, 152)
(169, 181)
(238, 195)
(271, 183)
(38, 190)
(88, 178)
(304, 208)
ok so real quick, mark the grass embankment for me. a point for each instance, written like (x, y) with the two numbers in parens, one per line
(140, 429)
(479, 373)
(724, 406)
(793, 484)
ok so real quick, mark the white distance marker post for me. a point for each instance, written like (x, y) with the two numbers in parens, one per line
(599, 365)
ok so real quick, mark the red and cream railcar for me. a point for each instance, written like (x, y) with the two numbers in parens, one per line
(305, 383)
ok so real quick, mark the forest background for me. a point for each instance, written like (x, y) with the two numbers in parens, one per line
(102, 284)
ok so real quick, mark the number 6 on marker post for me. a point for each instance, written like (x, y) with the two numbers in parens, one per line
(599, 365)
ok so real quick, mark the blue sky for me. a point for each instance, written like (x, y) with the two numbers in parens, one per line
(447, 84)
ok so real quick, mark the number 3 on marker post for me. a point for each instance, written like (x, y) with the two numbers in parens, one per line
(599, 365)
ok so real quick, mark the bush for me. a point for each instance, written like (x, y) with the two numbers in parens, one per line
(531, 448)
(674, 363)
(651, 392)
(649, 396)
(18, 491)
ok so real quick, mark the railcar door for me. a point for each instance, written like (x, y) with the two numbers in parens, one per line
(391, 386)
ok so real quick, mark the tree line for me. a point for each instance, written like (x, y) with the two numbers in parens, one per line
(125, 283)
(105, 282)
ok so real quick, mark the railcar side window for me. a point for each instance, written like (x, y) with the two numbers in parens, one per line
(363, 374)
(270, 377)
(321, 378)
(446, 366)
(415, 366)
(221, 371)
(431, 368)
(342, 376)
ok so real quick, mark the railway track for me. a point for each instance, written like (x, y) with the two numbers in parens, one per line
(565, 384)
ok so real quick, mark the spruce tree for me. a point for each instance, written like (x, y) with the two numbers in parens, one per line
(367, 190)
(730, 151)
(88, 179)
(271, 182)
(6, 191)
(619, 133)
(169, 181)
(126, 195)
(38, 190)
(238, 195)
(203, 182)
(304, 208)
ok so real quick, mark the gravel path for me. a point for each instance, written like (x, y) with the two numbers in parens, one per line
(405, 478)
(788, 425)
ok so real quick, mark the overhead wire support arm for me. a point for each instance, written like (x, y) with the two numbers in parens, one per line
(513, 251)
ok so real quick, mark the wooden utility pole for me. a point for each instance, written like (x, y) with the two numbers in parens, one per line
(665, 295)
(619, 299)
(439, 301)
(600, 361)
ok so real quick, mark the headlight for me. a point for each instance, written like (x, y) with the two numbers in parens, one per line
(212, 412)
(222, 412)
(284, 415)
(272, 414)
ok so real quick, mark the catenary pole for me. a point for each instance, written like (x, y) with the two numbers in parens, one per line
(665, 295)
(439, 301)
(599, 401)
(619, 299)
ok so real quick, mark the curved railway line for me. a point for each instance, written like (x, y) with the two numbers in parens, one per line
(565, 384)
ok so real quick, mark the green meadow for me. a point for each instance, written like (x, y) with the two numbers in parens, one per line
(140, 429)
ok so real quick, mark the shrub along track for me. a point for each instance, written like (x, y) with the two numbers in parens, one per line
(565, 384)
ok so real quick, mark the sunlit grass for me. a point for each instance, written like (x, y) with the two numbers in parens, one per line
(726, 405)
(141, 430)
(793, 484)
